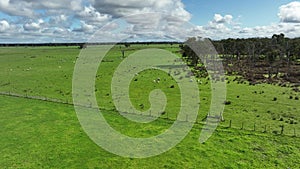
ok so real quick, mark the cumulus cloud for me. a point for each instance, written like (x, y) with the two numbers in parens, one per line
(76, 20)
(87, 16)
(85, 28)
(74, 5)
(219, 27)
(16, 8)
(90, 15)
(27, 8)
(4, 26)
(150, 18)
(290, 30)
(120, 8)
(222, 19)
(33, 26)
(290, 12)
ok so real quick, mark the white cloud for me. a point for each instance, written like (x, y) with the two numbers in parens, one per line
(290, 30)
(16, 8)
(27, 7)
(74, 5)
(65, 20)
(150, 18)
(90, 15)
(4, 26)
(33, 26)
(222, 19)
(121, 8)
(219, 27)
(85, 28)
(290, 12)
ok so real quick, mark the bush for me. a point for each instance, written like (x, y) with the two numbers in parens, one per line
(227, 102)
(142, 106)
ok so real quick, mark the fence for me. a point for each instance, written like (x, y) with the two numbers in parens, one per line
(285, 130)
(280, 129)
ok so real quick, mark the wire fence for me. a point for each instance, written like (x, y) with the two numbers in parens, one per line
(284, 130)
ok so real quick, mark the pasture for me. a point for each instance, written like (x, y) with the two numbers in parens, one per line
(42, 134)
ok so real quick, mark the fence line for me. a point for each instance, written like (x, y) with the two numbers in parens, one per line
(281, 130)
(264, 128)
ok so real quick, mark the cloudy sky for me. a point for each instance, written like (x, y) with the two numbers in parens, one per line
(31, 21)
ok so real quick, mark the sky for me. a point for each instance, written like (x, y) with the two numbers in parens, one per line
(31, 21)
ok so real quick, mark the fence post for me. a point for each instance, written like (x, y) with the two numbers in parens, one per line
(282, 129)
(254, 127)
(230, 123)
(242, 126)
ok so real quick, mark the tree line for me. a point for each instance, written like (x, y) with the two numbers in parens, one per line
(276, 47)
(274, 59)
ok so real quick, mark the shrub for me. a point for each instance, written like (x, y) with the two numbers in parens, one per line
(227, 102)
(142, 106)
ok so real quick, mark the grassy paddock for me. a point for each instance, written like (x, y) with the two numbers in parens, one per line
(38, 134)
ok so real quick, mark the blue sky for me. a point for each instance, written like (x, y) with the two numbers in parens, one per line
(251, 13)
(77, 20)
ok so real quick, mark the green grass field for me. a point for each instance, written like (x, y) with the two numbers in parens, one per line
(41, 134)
